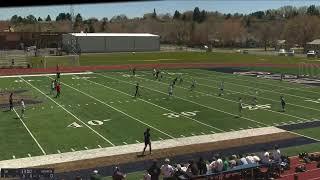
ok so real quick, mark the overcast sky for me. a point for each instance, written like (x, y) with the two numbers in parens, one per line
(137, 9)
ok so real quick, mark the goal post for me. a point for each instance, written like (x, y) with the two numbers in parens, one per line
(309, 70)
(53, 61)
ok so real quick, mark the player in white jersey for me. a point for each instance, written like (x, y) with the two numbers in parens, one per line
(171, 90)
(23, 108)
(221, 88)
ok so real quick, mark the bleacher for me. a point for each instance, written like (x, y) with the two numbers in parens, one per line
(10, 59)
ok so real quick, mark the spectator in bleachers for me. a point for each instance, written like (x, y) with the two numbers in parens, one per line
(193, 168)
(167, 170)
(154, 170)
(95, 175)
(250, 159)
(276, 154)
(212, 165)
(202, 166)
(219, 164)
(265, 159)
(180, 172)
(118, 175)
(243, 160)
(225, 164)
(256, 158)
(233, 161)
(146, 176)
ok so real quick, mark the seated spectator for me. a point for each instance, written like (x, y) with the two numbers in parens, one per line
(250, 159)
(193, 168)
(202, 166)
(95, 175)
(117, 174)
(219, 164)
(180, 173)
(212, 165)
(256, 158)
(276, 154)
(232, 161)
(167, 170)
(265, 159)
(154, 170)
(225, 164)
(243, 160)
(146, 176)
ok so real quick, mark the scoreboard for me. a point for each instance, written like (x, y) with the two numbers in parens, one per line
(28, 173)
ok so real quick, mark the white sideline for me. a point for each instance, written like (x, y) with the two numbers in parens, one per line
(134, 148)
(41, 75)
(35, 140)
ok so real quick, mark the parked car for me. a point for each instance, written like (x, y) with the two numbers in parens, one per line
(311, 53)
(282, 52)
(291, 52)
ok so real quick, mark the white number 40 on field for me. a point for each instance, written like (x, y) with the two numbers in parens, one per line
(185, 113)
(92, 123)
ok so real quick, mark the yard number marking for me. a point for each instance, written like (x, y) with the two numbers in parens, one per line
(259, 106)
(92, 123)
(176, 115)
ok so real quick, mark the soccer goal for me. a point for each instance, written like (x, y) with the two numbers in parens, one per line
(309, 70)
(53, 61)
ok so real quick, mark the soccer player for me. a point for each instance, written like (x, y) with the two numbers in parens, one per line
(281, 76)
(193, 85)
(171, 90)
(180, 79)
(174, 81)
(157, 73)
(221, 88)
(58, 88)
(255, 99)
(154, 72)
(134, 71)
(147, 140)
(240, 107)
(23, 108)
(53, 86)
(283, 103)
(58, 75)
(137, 90)
(11, 101)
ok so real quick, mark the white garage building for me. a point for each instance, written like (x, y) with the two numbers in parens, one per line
(110, 42)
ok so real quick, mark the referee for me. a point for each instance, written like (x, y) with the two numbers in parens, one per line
(147, 141)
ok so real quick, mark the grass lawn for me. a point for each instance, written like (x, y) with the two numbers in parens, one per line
(98, 109)
(173, 57)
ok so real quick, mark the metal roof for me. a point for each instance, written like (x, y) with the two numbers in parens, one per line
(115, 34)
(316, 41)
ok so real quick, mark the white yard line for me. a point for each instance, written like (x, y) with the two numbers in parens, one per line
(119, 110)
(135, 148)
(41, 75)
(35, 140)
(286, 87)
(202, 123)
(272, 91)
(208, 107)
(306, 107)
(217, 97)
(104, 138)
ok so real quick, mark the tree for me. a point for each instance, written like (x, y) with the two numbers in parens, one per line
(258, 14)
(232, 31)
(40, 19)
(31, 19)
(266, 32)
(14, 19)
(78, 18)
(312, 11)
(119, 18)
(61, 17)
(48, 18)
(176, 15)
(154, 14)
(196, 14)
(91, 28)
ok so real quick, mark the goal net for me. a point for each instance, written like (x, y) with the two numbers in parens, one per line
(8, 59)
(309, 70)
(53, 61)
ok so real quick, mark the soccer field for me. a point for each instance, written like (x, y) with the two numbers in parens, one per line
(98, 109)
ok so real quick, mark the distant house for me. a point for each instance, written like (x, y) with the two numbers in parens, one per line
(313, 45)
(281, 44)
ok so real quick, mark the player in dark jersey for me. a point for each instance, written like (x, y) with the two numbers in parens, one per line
(221, 88)
(134, 71)
(283, 103)
(58, 89)
(281, 77)
(180, 79)
(11, 101)
(157, 74)
(240, 107)
(137, 91)
(147, 140)
(174, 81)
